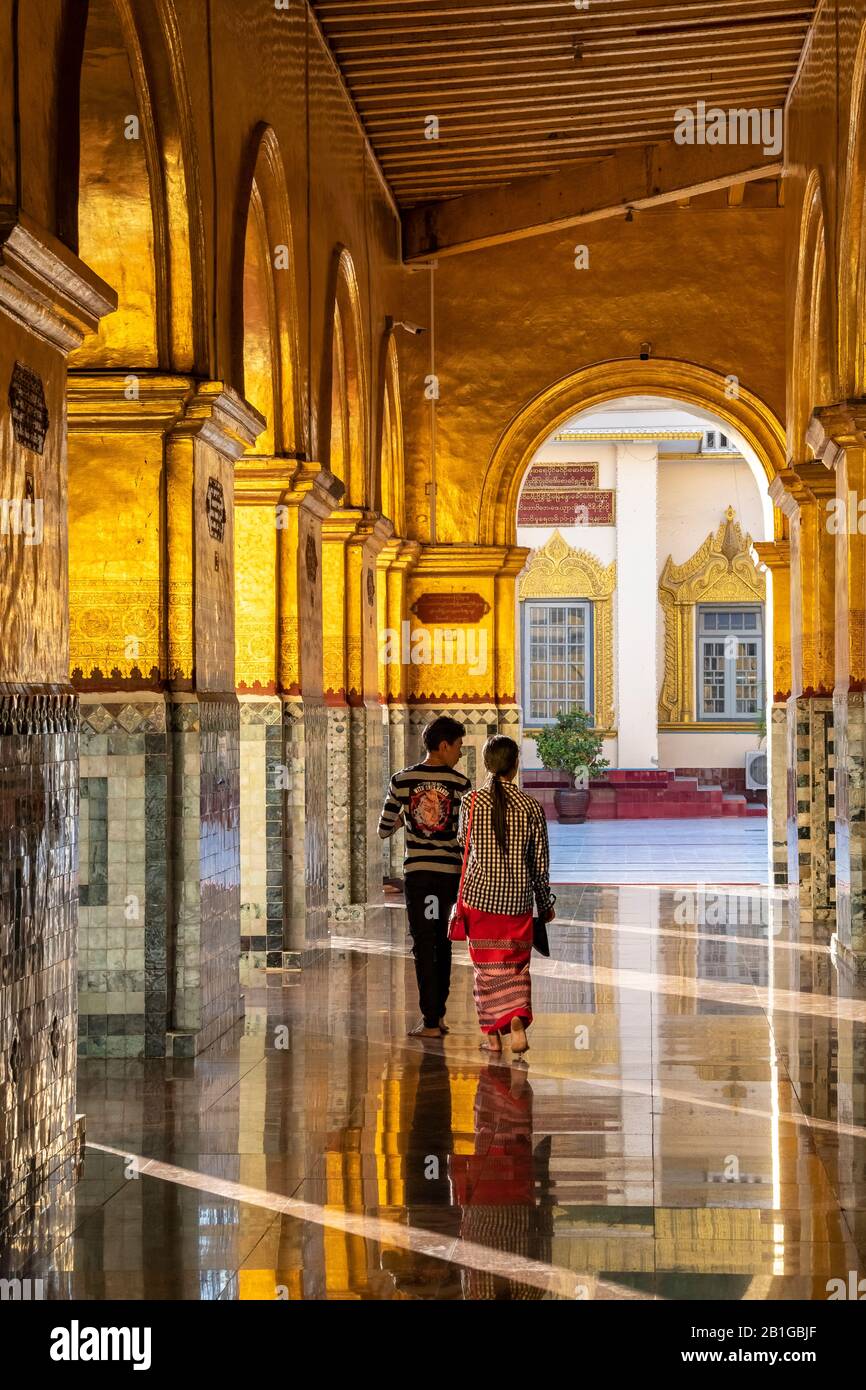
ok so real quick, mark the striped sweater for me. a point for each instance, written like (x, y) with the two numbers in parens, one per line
(428, 800)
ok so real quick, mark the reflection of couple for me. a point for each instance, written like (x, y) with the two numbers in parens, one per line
(487, 1197)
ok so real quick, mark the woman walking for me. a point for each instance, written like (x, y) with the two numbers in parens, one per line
(507, 864)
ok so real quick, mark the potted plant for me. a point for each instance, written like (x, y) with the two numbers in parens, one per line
(572, 746)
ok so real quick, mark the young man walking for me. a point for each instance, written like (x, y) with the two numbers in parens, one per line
(425, 800)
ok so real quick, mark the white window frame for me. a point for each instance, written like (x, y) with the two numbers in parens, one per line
(586, 604)
(730, 714)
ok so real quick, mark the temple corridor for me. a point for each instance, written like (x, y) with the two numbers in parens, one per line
(409, 408)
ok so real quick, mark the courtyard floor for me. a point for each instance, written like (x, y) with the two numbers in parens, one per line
(702, 850)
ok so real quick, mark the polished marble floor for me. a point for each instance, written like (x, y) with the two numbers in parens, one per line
(726, 850)
(688, 1124)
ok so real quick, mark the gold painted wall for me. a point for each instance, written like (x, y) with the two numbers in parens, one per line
(702, 284)
(256, 600)
(114, 597)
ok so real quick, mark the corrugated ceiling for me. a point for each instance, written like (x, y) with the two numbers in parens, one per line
(523, 89)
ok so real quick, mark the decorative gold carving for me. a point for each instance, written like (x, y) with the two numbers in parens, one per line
(720, 571)
(557, 570)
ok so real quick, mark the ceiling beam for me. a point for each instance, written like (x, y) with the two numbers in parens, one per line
(640, 177)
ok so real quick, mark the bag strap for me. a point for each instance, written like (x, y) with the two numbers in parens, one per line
(466, 847)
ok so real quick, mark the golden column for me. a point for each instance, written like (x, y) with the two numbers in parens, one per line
(151, 524)
(803, 494)
(49, 301)
(281, 504)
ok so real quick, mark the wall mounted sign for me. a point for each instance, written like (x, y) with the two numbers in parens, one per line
(371, 588)
(28, 407)
(567, 507)
(215, 507)
(311, 558)
(450, 608)
(548, 475)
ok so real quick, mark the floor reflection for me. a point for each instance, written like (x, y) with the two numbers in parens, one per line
(689, 1123)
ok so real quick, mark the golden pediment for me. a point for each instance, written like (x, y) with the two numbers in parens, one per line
(558, 570)
(720, 571)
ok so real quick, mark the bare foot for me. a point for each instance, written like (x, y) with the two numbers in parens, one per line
(518, 1037)
(443, 1027)
(422, 1032)
(491, 1042)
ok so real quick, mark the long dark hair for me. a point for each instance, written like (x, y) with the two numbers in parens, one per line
(501, 756)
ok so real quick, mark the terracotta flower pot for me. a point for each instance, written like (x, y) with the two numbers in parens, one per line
(572, 805)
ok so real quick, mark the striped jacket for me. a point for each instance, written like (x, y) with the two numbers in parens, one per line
(428, 798)
(507, 884)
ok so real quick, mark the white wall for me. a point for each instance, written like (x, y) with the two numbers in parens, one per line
(636, 606)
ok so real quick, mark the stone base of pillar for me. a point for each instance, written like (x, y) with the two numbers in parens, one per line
(368, 787)
(397, 756)
(305, 753)
(339, 806)
(39, 1137)
(123, 985)
(777, 747)
(356, 788)
(159, 874)
(849, 719)
(263, 789)
(205, 733)
(811, 850)
(850, 969)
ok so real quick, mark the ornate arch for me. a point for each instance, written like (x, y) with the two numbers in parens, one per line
(852, 241)
(813, 356)
(265, 343)
(162, 315)
(557, 570)
(344, 340)
(604, 381)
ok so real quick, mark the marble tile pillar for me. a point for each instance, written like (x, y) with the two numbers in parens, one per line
(837, 435)
(118, 425)
(802, 495)
(776, 556)
(204, 926)
(352, 541)
(49, 301)
(153, 657)
(280, 505)
(312, 497)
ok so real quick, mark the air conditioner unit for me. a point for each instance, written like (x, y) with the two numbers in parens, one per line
(756, 772)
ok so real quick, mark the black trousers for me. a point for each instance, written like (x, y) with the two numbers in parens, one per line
(429, 900)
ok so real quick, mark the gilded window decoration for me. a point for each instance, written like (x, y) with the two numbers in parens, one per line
(720, 571)
(557, 570)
